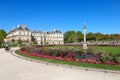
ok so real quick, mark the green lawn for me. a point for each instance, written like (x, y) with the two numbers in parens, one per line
(108, 49)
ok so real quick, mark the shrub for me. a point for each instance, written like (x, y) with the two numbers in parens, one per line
(79, 54)
(2, 45)
(117, 60)
(105, 58)
(70, 54)
(35, 42)
(90, 51)
(53, 52)
(23, 44)
(14, 45)
(63, 53)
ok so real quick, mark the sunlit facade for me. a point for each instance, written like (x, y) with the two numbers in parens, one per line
(23, 33)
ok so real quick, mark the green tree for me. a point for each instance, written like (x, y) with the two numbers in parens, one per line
(98, 36)
(72, 36)
(69, 36)
(106, 37)
(13, 40)
(35, 42)
(2, 35)
(111, 37)
(117, 37)
(19, 41)
(90, 36)
(79, 36)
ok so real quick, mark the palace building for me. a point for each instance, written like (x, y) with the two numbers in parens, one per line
(26, 35)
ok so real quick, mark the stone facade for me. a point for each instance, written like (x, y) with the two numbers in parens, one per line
(55, 37)
(23, 33)
(38, 36)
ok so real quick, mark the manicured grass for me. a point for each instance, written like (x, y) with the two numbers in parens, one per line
(99, 66)
(108, 49)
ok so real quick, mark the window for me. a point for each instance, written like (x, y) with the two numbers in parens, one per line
(19, 33)
(28, 33)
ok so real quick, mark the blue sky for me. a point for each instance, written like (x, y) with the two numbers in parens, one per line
(100, 15)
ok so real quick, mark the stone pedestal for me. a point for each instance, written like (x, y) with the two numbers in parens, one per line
(84, 45)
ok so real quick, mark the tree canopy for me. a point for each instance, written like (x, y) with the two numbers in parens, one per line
(72, 36)
(2, 35)
(19, 41)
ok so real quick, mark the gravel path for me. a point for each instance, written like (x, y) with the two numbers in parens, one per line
(13, 68)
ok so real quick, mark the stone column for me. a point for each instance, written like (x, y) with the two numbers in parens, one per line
(43, 39)
(84, 43)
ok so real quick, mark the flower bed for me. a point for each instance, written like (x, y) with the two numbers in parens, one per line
(72, 55)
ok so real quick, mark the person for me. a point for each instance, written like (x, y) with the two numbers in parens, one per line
(6, 47)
